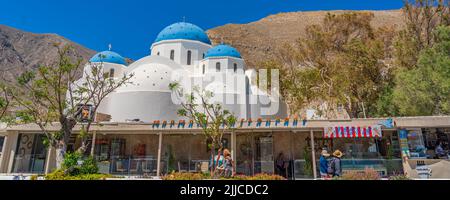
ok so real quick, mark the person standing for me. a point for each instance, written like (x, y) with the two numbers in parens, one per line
(281, 165)
(335, 165)
(439, 151)
(323, 164)
(228, 164)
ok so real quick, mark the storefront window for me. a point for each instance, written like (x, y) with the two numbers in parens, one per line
(381, 154)
(416, 144)
(428, 143)
(301, 150)
(30, 154)
(244, 154)
(283, 157)
(187, 153)
(264, 157)
(256, 154)
(127, 154)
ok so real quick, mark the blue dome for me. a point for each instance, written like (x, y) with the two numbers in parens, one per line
(222, 51)
(183, 30)
(108, 57)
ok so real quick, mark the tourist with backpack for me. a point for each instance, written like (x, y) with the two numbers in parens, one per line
(335, 166)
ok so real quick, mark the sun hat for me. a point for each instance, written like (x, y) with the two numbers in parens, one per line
(338, 153)
(325, 153)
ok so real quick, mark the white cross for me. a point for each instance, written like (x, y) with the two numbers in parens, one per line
(110, 47)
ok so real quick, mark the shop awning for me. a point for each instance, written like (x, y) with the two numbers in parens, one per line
(352, 132)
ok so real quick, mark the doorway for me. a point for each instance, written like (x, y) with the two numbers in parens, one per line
(31, 154)
(264, 160)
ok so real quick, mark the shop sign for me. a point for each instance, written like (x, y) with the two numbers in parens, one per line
(86, 113)
(353, 132)
(388, 123)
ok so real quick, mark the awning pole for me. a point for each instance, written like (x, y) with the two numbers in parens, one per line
(313, 155)
(158, 164)
(233, 150)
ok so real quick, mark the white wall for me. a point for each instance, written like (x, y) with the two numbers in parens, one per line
(118, 69)
(226, 65)
(144, 105)
(181, 47)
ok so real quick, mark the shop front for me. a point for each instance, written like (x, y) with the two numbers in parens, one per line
(290, 154)
(139, 154)
(127, 154)
(365, 147)
(187, 152)
(418, 147)
(426, 152)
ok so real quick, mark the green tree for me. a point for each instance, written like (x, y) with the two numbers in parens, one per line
(421, 18)
(214, 120)
(54, 94)
(339, 63)
(425, 90)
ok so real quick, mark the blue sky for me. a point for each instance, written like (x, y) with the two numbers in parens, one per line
(131, 26)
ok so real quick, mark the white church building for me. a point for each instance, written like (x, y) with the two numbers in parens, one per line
(182, 52)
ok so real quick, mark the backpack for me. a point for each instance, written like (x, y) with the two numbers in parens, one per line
(331, 166)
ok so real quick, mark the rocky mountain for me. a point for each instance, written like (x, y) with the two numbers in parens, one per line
(257, 40)
(21, 51)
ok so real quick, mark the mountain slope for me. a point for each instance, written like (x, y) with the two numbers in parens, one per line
(21, 51)
(257, 40)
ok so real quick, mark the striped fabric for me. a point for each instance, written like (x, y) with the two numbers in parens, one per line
(352, 132)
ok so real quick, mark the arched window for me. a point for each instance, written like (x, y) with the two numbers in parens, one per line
(189, 55)
(111, 72)
(203, 56)
(218, 67)
(157, 53)
(172, 54)
(235, 67)
(203, 69)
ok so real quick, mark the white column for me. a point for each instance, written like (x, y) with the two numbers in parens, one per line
(313, 155)
(12, 137)
(158, 164)
(49, 159)
(233, 149)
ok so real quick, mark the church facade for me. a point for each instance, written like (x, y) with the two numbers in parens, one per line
(182, 53)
